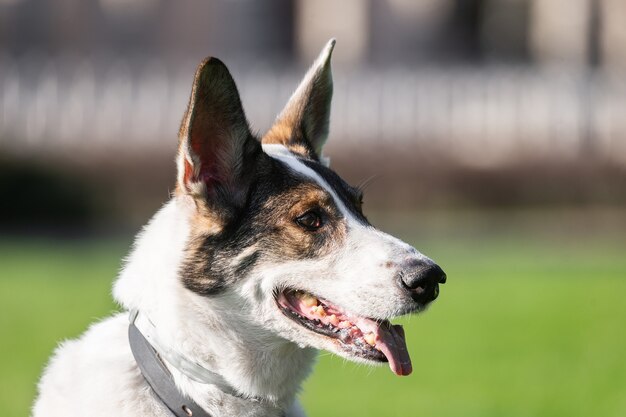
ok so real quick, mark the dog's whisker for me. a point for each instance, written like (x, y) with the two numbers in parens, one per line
(362, 186)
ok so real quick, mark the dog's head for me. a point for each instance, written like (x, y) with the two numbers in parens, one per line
(274, 227)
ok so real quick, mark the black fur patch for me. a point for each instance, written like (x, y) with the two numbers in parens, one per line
(350, 196)
(276, 196)
(246, 264)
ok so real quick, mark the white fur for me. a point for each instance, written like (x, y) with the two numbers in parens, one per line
(240, 334)
(96, 375)
(358, 276)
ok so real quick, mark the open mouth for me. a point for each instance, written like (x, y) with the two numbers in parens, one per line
(375, 340)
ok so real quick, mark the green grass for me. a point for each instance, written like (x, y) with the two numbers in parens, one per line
(524, 327)
(49, 291)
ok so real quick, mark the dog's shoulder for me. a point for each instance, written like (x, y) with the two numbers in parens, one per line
(95, 375)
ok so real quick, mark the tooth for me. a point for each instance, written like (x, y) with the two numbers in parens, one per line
(318, 311)
(333, 319)
(370, 338)
(344, 324)
(308, 300)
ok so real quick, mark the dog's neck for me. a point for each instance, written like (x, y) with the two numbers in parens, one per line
(213, 332)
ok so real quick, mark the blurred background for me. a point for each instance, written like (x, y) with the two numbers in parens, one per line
(495, 131)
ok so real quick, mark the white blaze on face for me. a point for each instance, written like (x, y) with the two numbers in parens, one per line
(281, 153)
(363, 273)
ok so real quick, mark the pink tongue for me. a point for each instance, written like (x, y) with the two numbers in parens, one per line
(390, 340)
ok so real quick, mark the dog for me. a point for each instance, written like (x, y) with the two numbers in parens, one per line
(262, 257)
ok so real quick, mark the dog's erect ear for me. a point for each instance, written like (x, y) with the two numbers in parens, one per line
(302, 126)
(215, 140)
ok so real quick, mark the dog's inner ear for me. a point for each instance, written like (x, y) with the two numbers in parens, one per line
(215, 141)
(302, 126)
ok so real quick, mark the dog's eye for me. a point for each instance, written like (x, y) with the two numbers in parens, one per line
(311, 220)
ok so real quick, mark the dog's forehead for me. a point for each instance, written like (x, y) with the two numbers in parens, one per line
(342, 194)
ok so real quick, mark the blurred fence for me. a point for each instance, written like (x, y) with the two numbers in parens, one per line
(483, 116)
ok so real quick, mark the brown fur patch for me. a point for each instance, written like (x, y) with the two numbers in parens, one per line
(282, 133)
(291, 241)
(265, 232)
(302, 126)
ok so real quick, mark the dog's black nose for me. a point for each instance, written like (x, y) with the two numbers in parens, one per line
(422, 280)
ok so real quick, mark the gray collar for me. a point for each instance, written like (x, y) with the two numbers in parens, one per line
(178, 360)
(151, 354)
